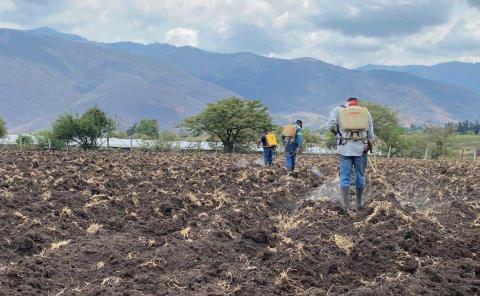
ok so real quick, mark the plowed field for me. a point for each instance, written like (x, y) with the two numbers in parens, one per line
(139, 223)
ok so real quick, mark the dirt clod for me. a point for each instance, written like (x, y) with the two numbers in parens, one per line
(145, 223)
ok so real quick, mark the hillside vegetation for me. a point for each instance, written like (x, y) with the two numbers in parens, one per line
(46, 73)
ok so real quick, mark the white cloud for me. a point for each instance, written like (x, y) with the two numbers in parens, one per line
(349, 33)
(6, 5)
(182, 36)
(462, 37)
(10, 25)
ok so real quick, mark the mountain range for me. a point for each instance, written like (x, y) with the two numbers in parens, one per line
(455, 73)
(45, 73)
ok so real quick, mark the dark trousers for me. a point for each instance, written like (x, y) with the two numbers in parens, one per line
(268, 155)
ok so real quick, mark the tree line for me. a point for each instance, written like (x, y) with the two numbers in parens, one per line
(237, 122)
(464, 127)
(86, 129)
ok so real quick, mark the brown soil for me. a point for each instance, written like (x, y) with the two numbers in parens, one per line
(121, 223)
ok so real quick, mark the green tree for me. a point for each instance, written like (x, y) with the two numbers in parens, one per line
(168, 136)
(414, 145)
(330, 140)
(84, 130)
(439, 137)
(24, 140)
(386, 126)
(233, 121)
(311, 137)
(42, 138)
(3, 128)
(117, 134)
(147, 127)
(67, 128)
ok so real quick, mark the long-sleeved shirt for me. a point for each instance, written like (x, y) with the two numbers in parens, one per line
(350, 148)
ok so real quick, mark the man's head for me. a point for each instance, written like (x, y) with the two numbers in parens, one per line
(299, 123)
(352, 101)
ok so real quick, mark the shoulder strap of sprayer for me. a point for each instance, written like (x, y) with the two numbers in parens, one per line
(341, 139)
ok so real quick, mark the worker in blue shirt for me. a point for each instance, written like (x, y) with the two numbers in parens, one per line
(293, 147)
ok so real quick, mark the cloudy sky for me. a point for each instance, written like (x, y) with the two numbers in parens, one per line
(344, 32)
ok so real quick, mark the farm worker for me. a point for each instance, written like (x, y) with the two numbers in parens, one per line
(353, 127)
(268, 148)
(293, 145)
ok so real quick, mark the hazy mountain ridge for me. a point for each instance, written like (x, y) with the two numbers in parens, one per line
(313, 85)
(47, 72)
(46, 31)
(65, 75)
(455, 73)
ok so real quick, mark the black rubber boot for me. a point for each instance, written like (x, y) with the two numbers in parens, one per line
(358, 198)
(345, 197)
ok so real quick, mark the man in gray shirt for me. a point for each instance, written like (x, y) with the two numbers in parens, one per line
(353, 153)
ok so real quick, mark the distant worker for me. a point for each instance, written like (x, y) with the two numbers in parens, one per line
(292, 138)
(269, 144)
(353, 127)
